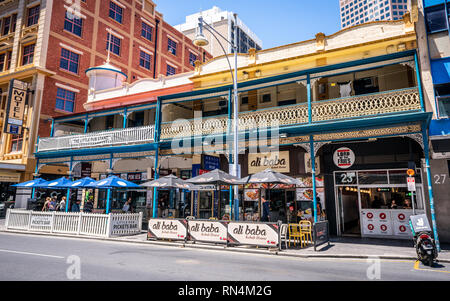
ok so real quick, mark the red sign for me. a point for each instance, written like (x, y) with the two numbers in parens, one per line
(402, 228)
(370, 215)
(401, 216)
(370, 226)
(382, 215)
(383, 228)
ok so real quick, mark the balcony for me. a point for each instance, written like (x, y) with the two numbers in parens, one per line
(128, 136)
(362, 106)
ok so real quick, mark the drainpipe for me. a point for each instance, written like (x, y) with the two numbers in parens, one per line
(156, 48)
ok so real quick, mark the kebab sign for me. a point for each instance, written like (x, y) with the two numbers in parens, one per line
(344, 157)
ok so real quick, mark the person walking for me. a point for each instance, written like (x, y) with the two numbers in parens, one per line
(46, 204)
(76, 206)
(62, 204)
(88, 206)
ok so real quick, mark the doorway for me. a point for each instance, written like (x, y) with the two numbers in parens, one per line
(348, 199)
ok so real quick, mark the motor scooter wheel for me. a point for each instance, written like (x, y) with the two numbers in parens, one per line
(430, 261)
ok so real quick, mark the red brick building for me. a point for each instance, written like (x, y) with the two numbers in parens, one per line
(51, 43)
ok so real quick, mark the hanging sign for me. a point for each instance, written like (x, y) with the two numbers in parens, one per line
(16, 107)
(344, 157)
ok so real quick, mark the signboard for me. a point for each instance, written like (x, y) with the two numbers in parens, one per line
(411, 183)
(420, 223)
(207, 231)
(345, 178)
(16, 106)
(86, 169)
(210, 162)
(255, 234)
(90, 141)
(344, 157)
(175, 229)
(321, 234)
(251, 194)
(123, 225)
(134, 177)
(41, 221)
(277, 161)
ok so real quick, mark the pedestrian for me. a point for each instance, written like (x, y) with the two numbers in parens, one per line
(76, 206)
(46, 204)
(52, 204)
(62, 205)
(266, 210)
(88, 206)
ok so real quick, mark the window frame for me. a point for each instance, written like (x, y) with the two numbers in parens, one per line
(65, 99)
(35, 17)
(145, 32)
(172, 67)
(117, 12)
(70, 60)
(113, 44)
(143, 59)
(16, 140)
(73, 24)
(170, 48)
(24, 55)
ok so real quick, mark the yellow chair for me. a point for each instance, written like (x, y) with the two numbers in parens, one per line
(295, 234)
(306, 230)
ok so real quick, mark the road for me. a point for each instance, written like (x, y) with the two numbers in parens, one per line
(32, 257)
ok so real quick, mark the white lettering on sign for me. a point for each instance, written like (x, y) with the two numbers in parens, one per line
(344, 157)
(208, 231)
(253, 234)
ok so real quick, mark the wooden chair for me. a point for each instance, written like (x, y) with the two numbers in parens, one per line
(295, 234)
(306, 230)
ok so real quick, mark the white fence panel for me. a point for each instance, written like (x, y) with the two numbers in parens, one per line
(17, 219)
(90, 224)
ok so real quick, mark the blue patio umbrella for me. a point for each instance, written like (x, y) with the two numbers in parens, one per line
(30, 184)
(111, 183)
(60, 183)
(81, 183)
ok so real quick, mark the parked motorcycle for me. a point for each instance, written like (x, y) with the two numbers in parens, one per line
(423, 242)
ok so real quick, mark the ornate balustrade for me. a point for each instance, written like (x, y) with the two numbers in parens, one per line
(137, 135)
(366, 105)
(350, 107)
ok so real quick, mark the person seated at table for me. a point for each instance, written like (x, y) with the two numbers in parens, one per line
(407, 204)
(88, 206)
(393, 205)
(76, 206)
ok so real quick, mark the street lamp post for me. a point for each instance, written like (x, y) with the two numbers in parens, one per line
(200, 40)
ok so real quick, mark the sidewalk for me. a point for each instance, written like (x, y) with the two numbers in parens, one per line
(340, 247)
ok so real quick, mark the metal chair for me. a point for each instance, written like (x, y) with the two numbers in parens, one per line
(306, 230)
(295, 234)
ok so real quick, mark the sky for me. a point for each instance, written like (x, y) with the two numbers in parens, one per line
(276, 22)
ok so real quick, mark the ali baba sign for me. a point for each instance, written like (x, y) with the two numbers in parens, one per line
(277, 161)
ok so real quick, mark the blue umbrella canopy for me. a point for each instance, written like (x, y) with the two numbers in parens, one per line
(81, 183)
(30, 184)
(58, 183)
(112, 182)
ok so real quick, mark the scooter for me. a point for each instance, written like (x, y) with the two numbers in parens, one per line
(423, 242)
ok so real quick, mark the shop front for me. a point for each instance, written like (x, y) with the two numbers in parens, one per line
(366, 189)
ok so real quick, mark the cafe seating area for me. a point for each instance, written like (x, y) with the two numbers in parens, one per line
(300, 233)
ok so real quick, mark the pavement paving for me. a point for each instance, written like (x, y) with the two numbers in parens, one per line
(50, 258)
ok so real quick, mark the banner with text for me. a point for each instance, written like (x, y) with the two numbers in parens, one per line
(256, 234)
(159, 228)
(207, 231)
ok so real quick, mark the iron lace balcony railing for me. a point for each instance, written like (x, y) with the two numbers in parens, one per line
(137, 135)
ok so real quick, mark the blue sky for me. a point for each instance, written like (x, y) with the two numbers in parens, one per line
(276, 22)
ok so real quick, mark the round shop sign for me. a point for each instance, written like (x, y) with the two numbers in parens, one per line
(370, 215)
(401, 216)
(402, 228)
(370, 226)
(344, 157)
(382, 215)
(383, 228)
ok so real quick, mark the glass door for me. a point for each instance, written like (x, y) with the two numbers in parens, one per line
(348, 200)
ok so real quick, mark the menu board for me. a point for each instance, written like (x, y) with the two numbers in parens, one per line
(251, 194)
(387, 222)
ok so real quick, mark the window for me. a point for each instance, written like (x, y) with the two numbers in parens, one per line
(147, 31)
(16, 143)
(172, 46)
(145, 60)
(2, 61)
(69, 61)
(115, 12)
(113, 44)
(170, 70)
(65, 100)
(443, 100)
(73, 24)
(6, 25)
(244, 100)
(436, 19)
(192, 58)
(266, 98)
(33, 15)
(28, 55)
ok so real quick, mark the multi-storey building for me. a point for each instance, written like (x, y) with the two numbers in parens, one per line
(351, 101)
(223, 23)
(355, 12)
(50, 44)
(434, 45)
